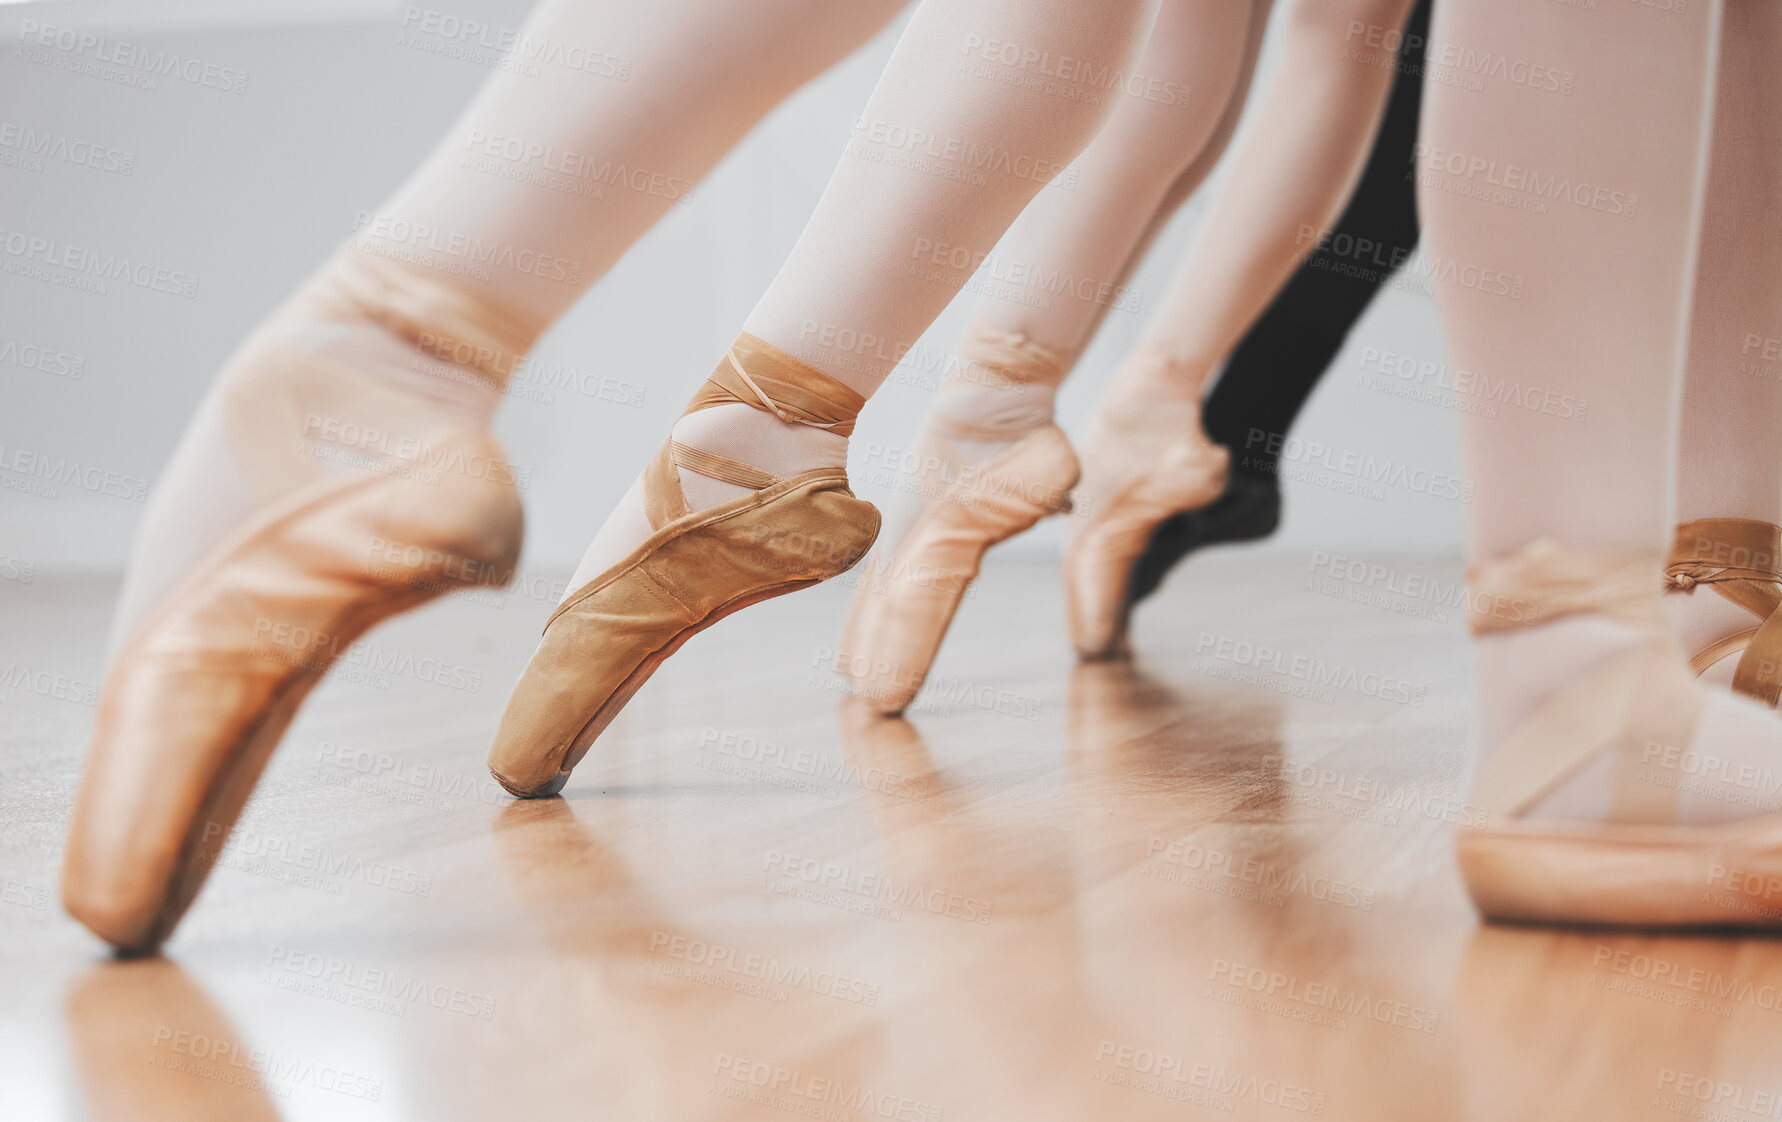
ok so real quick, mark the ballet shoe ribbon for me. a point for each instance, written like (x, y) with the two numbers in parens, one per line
(760, 375)
(1624, 706)
(1544, 581)
(757, 374)
(1741, 560)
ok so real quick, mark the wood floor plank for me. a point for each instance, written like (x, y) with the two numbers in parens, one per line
(1197, 885)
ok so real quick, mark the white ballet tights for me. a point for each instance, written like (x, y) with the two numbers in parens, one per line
(1602, 318)
(904, 221)
(544, 180)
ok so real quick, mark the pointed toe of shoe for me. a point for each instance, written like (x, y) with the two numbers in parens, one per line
(552, 707)
(604, 642)
(128, 916)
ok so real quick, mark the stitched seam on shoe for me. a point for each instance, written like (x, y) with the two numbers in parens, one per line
(673, 594)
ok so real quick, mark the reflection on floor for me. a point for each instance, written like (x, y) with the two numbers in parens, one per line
(1213, 882)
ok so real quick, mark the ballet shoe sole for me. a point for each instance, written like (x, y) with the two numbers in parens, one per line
(611, 707)
(1627, 876)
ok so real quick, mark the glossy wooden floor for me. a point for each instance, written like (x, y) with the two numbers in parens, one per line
(1198, 886)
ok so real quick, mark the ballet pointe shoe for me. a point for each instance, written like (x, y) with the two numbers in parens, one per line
(1641, 867)
(1247, 510)
(206, 682)
(606, 640)
(1100, 559)
(199, 697)
(1741, 559)
(901, 613)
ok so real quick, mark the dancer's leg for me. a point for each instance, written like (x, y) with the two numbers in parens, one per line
(954, 142)
(534, 192)
(1586, 712)
(1292, 172)
(1055, 274)
(1730, 462)
(1146, 456)
(748, 497)
(1281, 360)
(1620, 789)
(341, 469)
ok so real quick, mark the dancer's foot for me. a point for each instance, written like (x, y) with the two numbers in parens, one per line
(326, 485)
(1616, 788)
(992, 464)
(1249, 509)
(1147, 459)
(722, 533)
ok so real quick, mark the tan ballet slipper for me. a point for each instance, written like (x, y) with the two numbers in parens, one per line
(1641, 867)
(901, 613)
(200, 696)
(605, 641)
(1098, 562)
(207, 682)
